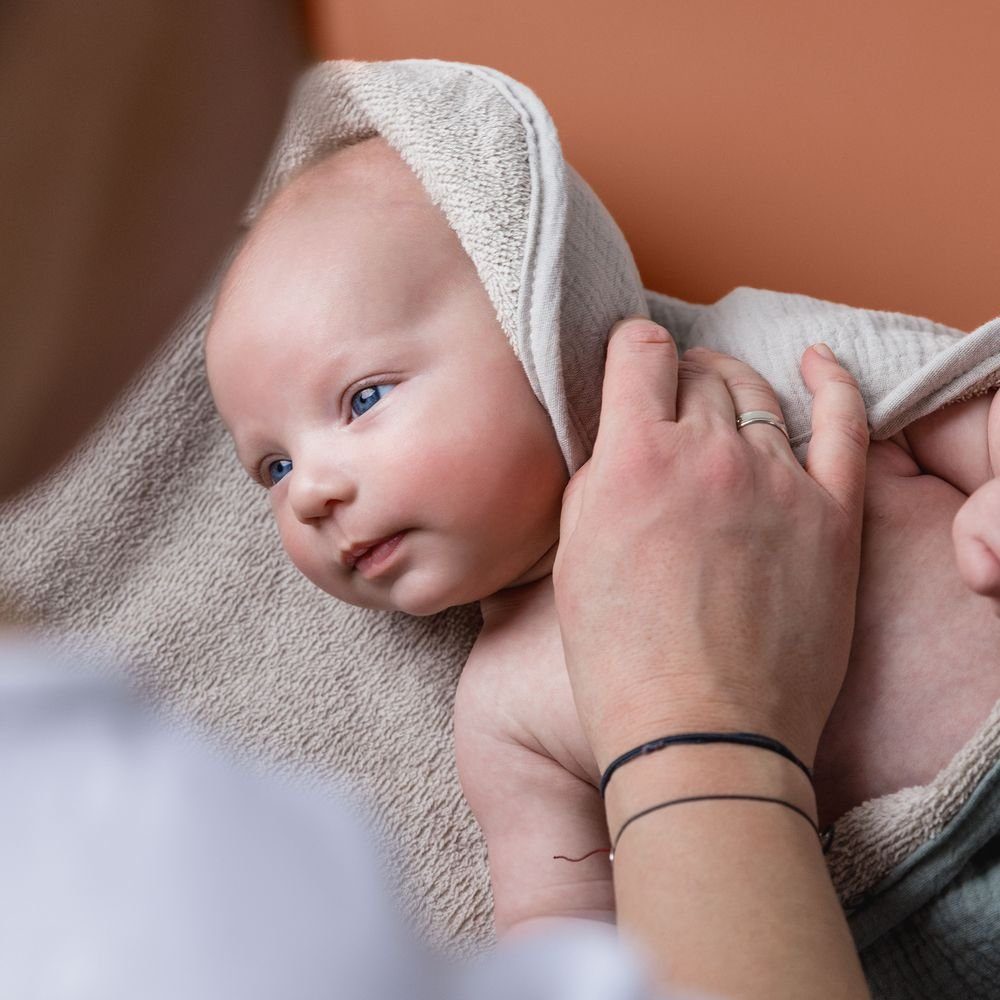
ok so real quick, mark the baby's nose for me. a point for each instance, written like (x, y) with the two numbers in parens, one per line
(314, 490)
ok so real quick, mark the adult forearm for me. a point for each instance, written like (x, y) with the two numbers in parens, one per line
(731, 897)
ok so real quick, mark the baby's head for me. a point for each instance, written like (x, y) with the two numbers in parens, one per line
(358, 363)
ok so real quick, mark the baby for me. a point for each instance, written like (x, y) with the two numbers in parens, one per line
(358, 363)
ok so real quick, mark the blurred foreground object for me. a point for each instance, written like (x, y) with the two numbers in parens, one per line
(137, 861)
(133, 133)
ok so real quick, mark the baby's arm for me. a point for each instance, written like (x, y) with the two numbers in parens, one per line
(514, 716)
(961, 444)
(952, 443)
(530, 811)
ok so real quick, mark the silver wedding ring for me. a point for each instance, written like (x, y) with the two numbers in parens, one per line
(760, 417)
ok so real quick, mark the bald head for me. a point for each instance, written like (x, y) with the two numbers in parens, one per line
(363, 181)
(371, 166)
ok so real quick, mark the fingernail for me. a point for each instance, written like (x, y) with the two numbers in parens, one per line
(633, 318)
(823, 351)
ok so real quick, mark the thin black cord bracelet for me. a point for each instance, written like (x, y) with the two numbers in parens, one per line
(825, 838)
(747, 739)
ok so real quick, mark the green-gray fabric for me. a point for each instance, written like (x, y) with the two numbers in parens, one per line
(931, 928)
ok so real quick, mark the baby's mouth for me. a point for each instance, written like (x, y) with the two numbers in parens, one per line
(349, 557)
(372, 559)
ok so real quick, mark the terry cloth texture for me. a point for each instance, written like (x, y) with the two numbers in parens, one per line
(152, 542)
(930, 929)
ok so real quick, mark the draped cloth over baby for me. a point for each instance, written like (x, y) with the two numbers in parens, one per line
(151, 541)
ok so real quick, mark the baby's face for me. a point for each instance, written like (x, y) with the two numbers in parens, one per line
(359, 366)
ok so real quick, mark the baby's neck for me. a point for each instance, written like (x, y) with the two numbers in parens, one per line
(499, 608)
(527, 588)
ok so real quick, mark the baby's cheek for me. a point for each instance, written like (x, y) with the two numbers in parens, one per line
(299, 558)
(302, 556)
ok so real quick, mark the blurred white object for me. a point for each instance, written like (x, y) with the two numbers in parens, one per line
(137, 862)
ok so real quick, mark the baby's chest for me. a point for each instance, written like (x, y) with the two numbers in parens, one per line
(923, 671)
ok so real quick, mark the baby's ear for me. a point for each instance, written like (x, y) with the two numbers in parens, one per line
(976, 536)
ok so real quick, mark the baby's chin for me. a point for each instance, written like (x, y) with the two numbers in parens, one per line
(422, 597)
(426, 604)
(416, 594)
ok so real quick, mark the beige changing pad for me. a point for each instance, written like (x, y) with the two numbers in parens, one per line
(152, 542)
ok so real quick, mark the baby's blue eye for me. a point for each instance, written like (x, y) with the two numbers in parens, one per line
(278, 469)
(364, 399)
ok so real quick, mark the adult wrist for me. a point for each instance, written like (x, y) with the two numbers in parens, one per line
(710, 715)
(726, 892)
(709, 769)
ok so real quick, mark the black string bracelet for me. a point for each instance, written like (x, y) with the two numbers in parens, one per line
(747, 739)
(825, 838)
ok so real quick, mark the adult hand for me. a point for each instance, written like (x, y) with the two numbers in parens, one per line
(704, 578)
(706, 581)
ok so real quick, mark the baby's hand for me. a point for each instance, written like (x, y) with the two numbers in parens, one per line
(526, 768)
(976, 528)
(976, 534)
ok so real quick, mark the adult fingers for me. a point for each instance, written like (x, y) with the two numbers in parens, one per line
(746, 390)
(640, 378)
(837, 454)
(702, 396)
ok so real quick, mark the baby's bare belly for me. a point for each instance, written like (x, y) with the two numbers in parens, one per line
(925, 663)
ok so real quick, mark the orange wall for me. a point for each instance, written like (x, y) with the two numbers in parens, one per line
(846, 150)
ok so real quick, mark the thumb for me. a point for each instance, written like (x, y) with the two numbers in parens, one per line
(640, 377)
(838, 451)
(572, 501)
(571, 504)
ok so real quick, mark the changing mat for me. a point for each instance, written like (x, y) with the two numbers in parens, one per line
(152, 542)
